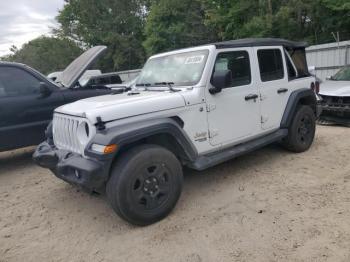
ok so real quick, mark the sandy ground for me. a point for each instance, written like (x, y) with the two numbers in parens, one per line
(270, 205)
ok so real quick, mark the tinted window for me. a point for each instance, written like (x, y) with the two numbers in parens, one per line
(239, 64)
(17, 82)
(270, 64)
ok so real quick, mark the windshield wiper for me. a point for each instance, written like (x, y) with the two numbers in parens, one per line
(169, 85)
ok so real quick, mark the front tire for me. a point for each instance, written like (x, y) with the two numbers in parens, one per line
(145, 184)
(301, 133)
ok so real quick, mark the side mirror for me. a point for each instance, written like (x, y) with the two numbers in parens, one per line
(220, 80)
(45, 91)
(329, 78)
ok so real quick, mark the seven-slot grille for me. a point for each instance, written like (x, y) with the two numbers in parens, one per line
(65, 132)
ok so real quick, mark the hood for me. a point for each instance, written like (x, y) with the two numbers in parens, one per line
(114, 107)
(335, 88)
(76, 69)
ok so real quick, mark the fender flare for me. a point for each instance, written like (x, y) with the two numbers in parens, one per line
(303, 96)
(127, 134)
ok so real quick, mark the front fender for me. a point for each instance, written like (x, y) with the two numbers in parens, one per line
(125, 135)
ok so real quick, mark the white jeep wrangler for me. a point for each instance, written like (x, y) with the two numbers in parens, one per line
(195, 107)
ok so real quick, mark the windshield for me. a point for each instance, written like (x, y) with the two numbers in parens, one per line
(342, 75)
(184, 69)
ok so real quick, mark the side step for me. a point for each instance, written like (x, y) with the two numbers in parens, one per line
(206, 161)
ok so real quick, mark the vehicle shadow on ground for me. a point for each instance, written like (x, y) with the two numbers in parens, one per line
(15, 160)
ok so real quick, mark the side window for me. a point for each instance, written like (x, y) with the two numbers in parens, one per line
(17, 82)
(270, 64)
(239, 64)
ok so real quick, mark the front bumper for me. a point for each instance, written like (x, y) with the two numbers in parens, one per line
(89, 174)
(335, 115)
(335, 110)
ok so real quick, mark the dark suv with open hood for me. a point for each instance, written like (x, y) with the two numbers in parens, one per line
(28, 98)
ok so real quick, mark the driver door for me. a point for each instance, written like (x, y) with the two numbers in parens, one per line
(234, 114)
(24, 111)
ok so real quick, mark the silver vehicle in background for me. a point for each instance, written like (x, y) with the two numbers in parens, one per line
(335, 95)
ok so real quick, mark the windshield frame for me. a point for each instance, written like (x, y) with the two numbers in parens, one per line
(206, 52)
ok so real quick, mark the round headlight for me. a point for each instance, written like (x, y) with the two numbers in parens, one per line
(83, 133)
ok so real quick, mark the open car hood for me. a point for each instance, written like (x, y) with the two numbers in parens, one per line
(70, 76)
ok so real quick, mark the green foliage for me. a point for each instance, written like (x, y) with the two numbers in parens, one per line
(176, 24)
(117, 24)
(133, 28)
(46, 54)
(311, 20)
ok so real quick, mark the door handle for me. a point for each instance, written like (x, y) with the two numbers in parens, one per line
(282, 90)
(251, 97)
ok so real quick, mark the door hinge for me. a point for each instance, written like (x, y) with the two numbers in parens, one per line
(264, 119)
(211, 107)
(213, 133)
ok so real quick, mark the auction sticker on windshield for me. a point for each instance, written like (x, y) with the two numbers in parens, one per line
(194, 60)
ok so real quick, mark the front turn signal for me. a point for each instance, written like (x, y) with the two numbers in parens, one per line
(110, 149)
(104, 149)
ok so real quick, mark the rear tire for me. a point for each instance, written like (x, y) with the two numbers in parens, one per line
(301, 132)
(145, 184)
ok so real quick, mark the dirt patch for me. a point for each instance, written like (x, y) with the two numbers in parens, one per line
(270, 205)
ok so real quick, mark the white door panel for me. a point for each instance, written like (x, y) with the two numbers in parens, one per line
(232, 118)
(273, 85)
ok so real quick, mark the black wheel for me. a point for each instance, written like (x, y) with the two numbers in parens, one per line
(145, 184)
(301, 133)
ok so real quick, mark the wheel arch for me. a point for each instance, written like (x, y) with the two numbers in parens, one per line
(166, 132)
(303, 96)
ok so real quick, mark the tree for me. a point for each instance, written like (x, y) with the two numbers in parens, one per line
(117, 24)
(46, 54)
(311, 20)
(176, 24)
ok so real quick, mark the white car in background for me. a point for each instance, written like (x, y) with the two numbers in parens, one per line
(335, 94)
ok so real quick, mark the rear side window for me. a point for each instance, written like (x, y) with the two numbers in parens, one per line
(299, 59)
(290, 69)
(238, 63)
(270, 64)
(17, 82)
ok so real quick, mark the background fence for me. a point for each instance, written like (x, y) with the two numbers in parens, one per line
(328, 58)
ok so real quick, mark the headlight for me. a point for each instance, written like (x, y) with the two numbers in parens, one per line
(84, 133)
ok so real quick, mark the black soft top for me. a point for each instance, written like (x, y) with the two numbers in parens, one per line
(250, 42)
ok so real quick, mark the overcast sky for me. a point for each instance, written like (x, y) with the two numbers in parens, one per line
(24, 20)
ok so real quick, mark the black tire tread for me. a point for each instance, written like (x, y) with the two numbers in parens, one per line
(289, 143)
(118, 174)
